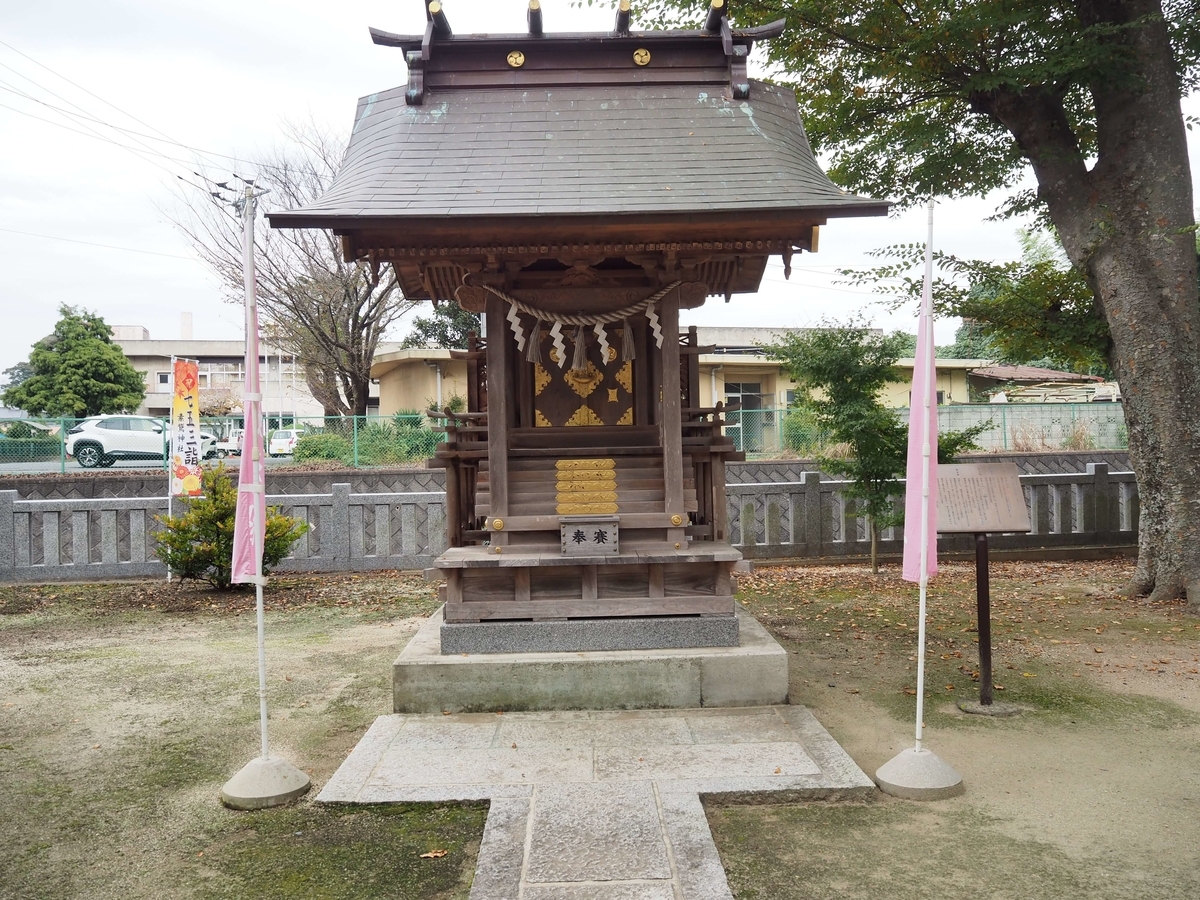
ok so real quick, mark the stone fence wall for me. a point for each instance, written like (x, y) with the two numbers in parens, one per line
(811, 518)
(297, 480)
(113, 537)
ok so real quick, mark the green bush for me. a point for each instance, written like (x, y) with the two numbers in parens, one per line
(37, 449)
(801, 433)
(323, 446)
(18, 430)
(199, 543)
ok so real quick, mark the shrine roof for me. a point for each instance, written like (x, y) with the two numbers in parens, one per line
(587, 150)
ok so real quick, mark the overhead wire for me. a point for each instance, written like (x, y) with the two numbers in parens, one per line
(207, 155)
(54, 237)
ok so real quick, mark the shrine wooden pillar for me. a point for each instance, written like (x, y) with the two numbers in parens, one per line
(499, 403)
(670, 419)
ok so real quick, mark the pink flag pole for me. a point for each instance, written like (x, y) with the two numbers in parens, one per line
(266, 780)
(920, 527)
(918, 774)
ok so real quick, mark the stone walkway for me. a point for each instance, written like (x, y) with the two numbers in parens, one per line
(597, 805)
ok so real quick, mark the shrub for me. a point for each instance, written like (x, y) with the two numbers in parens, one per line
(322, 446)
(801, 432)
(35, 449)
(18, 430)
(199, 543)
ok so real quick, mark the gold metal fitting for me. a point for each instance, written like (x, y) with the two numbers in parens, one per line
(516, 59)
(677, 519)
(678, 545)
(641, 56)
(498, 524)
(498, 549)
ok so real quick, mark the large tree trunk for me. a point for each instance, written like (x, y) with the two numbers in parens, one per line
(1127, 223)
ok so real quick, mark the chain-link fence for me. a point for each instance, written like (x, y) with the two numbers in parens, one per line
(40, 445)
(62, 445)
(1012, 427)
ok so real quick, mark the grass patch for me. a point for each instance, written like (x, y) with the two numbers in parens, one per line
(346, 853)
(906, 851)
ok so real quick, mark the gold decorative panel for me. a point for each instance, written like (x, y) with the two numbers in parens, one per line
(567, 464)
(583, 383)
(586, 486)
(625, 377)
(585, 415)
(605, 385)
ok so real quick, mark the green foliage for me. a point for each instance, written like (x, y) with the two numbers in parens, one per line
(18, 429)
(802, 433)
(1038, 310)
(38, 448)
(199, 543)
(323, 446)
(970, 342)
(901, 96)
(17, 374)
(840, 372)
(78, 371)
(446, 327)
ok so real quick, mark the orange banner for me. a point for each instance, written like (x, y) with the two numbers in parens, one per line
(185, 429)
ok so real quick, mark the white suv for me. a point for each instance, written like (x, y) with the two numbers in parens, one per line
(102, 440)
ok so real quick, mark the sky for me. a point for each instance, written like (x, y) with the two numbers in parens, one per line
(146, 91)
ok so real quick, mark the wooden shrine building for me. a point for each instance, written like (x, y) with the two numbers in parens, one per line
(579, 190)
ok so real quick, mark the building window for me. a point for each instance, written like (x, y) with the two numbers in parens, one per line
(748, 393)
(164, 379)
(941, 398)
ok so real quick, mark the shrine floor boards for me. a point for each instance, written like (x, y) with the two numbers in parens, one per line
(597, 805)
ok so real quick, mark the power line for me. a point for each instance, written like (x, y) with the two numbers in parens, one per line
(92, 133)
(166, 138)
(54, 237)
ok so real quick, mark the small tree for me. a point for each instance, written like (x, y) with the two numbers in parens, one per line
(199, 543)
(77, 371)
(446, 327)
(840, 372)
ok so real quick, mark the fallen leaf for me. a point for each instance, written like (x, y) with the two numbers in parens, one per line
(910, 692)
(514, 746)
(1028, 675)
(779, 769)
(434, 854)
(851, 690)
(1097, 649)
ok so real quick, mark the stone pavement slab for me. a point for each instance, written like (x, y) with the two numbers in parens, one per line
(602, 805)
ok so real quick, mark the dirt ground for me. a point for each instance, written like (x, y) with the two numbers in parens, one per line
(124, 708)
(1092, 792)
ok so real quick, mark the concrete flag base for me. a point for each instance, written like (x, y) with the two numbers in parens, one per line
(919, 775)
(263, 783)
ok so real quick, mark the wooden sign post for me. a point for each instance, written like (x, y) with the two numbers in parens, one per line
(978, 498)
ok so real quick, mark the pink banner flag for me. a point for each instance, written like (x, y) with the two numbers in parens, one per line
(251, 520)
(920, 488)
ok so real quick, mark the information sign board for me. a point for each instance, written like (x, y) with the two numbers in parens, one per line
(980, 498)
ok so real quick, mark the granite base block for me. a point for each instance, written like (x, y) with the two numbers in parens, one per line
(580, 635)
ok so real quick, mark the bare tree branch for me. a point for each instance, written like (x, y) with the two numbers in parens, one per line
(328, 313)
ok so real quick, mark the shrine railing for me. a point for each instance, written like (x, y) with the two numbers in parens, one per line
(813, 518)
(113, 537)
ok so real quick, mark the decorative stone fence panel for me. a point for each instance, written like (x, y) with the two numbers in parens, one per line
(811, 517)
(113, 537)
(110, 537)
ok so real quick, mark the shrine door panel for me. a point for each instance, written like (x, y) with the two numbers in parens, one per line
(601, 394)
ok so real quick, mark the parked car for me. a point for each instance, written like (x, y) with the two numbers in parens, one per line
(102, 440)
(283, 441)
